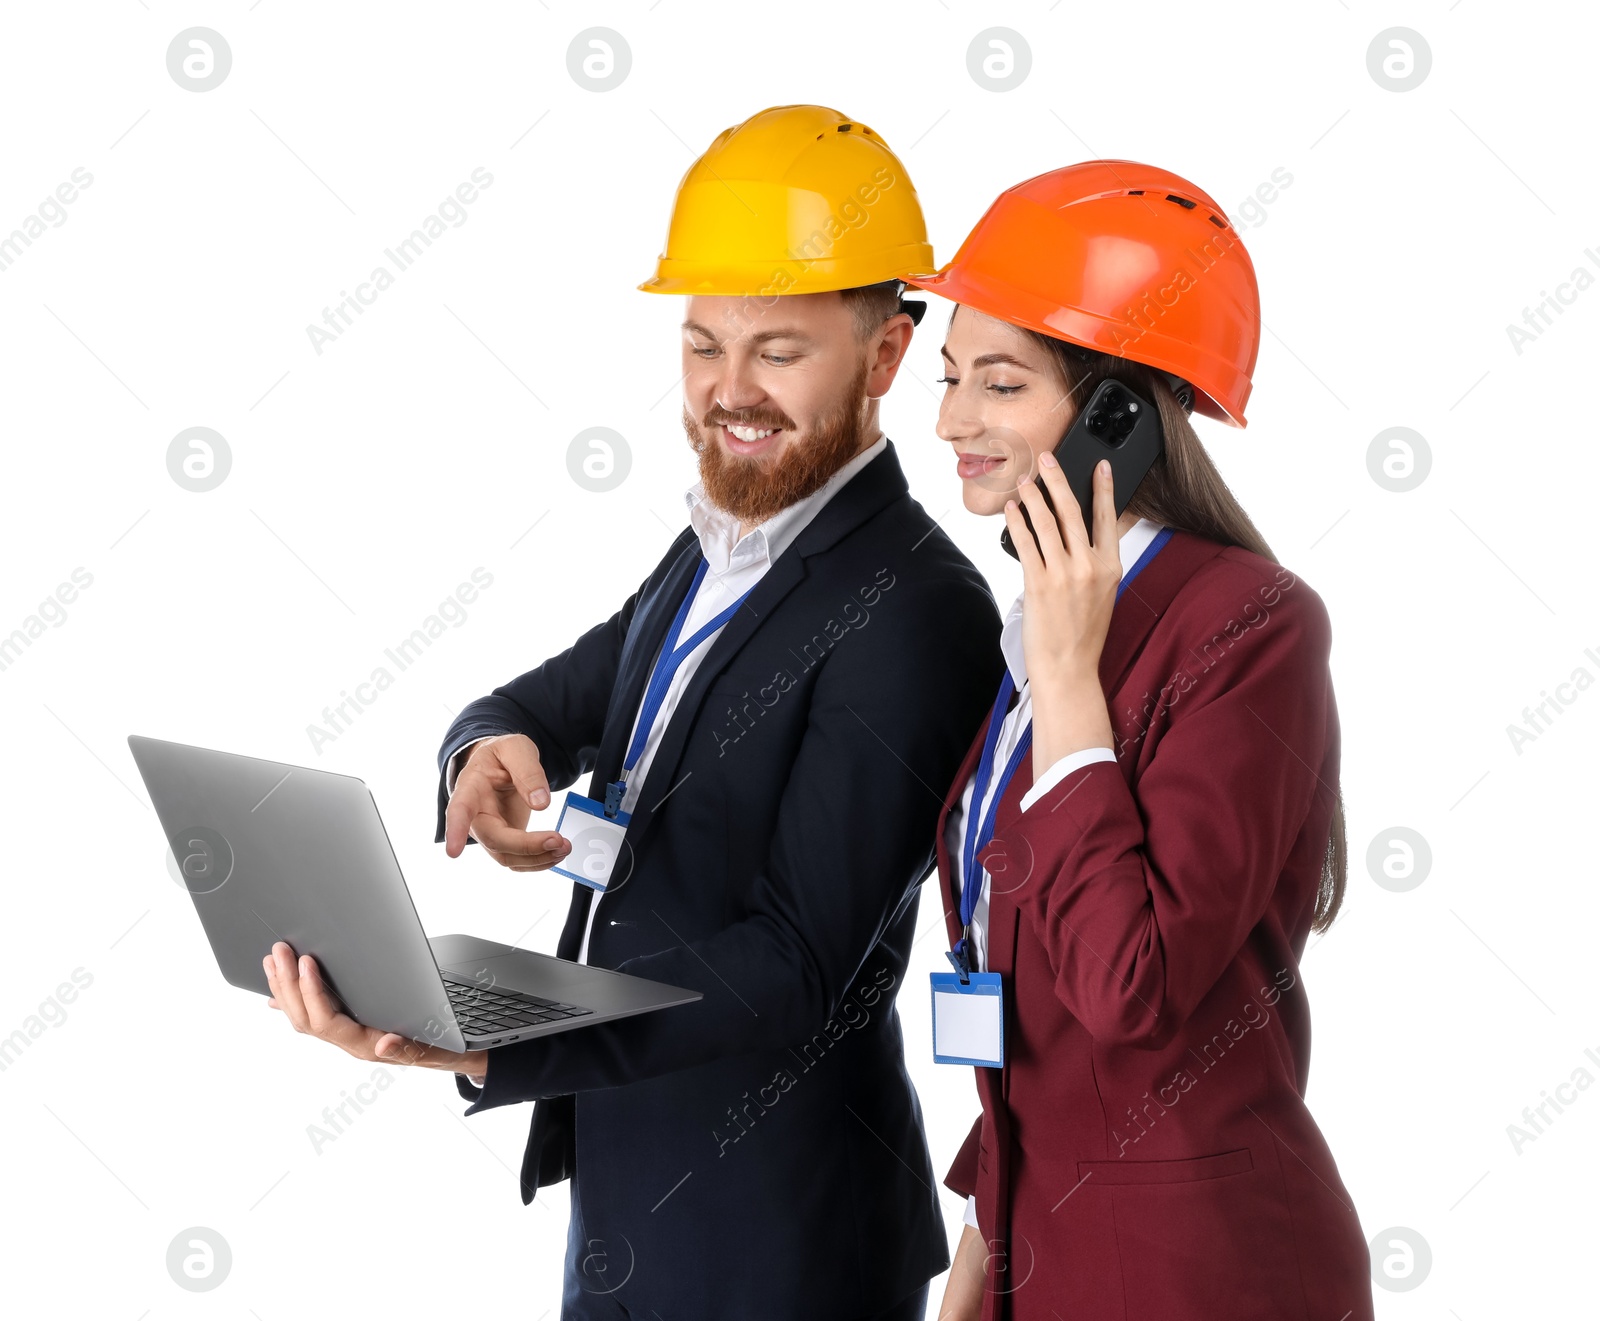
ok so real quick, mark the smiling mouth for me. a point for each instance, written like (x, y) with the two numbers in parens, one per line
(977, 465)
(743, 438)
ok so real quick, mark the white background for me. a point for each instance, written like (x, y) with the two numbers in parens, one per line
(368, 480)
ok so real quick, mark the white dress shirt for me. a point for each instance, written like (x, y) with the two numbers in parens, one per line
(1130, 545)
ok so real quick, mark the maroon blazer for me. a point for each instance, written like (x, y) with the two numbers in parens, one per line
(1146, 1154)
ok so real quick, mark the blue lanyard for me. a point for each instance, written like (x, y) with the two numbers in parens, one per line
(667, 663)
(980, 831)
(980, 786)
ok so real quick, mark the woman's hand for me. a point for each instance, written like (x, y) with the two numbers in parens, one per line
(1068, 595)
(963, 1288)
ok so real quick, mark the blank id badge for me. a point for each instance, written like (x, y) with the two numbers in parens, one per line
(968, 1019)
(596, 841)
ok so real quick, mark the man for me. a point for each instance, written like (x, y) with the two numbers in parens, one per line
(758, 1153)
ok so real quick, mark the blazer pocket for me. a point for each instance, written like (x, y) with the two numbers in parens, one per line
(1191, 1170)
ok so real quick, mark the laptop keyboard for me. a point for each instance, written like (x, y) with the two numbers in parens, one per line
(483, 1011)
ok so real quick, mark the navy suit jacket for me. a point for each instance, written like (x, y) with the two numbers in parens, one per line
(759, 1153)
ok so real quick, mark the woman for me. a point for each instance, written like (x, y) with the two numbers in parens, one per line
(1150, 867)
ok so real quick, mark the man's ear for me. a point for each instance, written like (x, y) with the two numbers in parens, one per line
(893, 340)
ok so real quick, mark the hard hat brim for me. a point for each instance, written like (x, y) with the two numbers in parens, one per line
(796, 276)
(1020, 307)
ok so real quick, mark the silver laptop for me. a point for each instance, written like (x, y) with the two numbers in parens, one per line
(275, 852)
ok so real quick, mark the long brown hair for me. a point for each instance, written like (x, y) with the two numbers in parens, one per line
(1183, 490)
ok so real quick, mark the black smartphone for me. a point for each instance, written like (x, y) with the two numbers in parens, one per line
(1117, 424)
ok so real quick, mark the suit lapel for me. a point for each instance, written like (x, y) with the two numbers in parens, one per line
(1146, 600)
(947, 886)
(875, 486)
(1000, 953)
(659, 784)
(652, 618)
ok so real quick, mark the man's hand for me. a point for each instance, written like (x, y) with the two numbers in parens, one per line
(498, 788)
(298, 990)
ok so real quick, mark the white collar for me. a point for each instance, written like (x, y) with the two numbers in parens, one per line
(1130, 545)
(718, 530)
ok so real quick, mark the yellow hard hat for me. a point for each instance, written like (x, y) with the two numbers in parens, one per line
(797, 199)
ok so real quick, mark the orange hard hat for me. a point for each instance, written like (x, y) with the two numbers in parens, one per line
(1125, 259)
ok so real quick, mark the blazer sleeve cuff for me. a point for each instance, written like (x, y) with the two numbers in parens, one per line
(521, 1071)
(1063, 767)
(482, 1092)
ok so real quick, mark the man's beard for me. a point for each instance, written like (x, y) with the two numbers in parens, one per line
(753, 489)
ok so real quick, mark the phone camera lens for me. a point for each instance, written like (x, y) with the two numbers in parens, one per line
(1096, 422)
